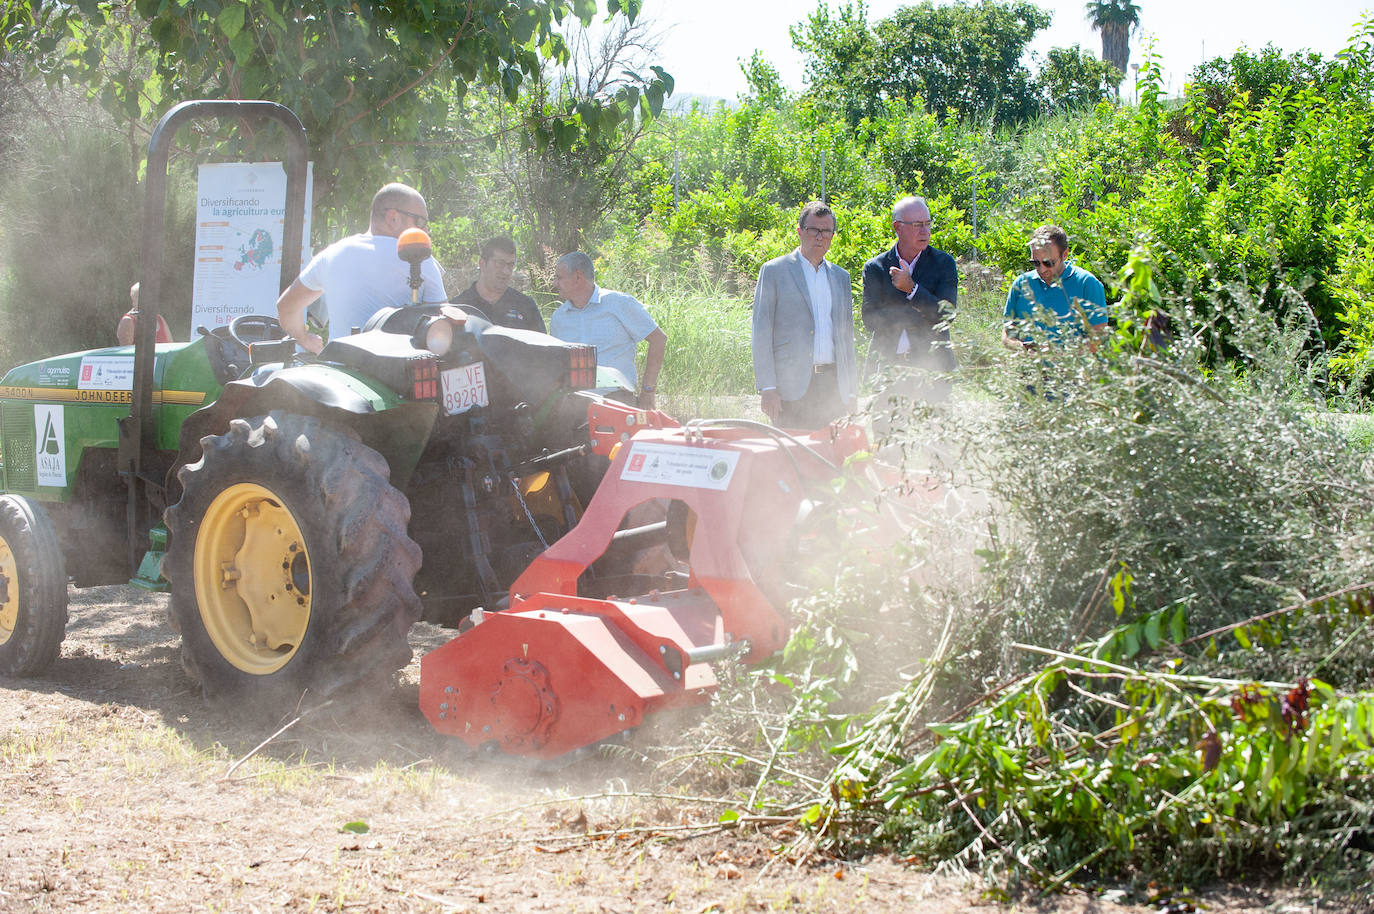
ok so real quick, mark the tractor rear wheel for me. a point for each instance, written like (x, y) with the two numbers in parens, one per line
(290, 564)
(33, 588)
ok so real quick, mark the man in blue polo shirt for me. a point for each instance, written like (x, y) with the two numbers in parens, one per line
(1063, 300)
(611, 321)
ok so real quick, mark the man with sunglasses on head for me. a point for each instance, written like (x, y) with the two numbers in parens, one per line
(1062, 300)
(803, 337)
(361, 274)
(910, 293)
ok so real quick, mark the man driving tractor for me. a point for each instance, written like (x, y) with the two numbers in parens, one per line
(361, 274)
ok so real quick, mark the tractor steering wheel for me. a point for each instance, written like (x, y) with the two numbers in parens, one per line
(265, 327)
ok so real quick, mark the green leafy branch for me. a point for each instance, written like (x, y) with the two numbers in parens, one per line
(1091, 761)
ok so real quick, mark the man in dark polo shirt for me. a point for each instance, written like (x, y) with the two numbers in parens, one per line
(492, 291)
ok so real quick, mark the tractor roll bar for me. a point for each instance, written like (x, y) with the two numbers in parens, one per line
(137, 432)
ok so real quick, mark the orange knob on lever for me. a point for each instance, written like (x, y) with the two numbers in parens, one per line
(413, 247)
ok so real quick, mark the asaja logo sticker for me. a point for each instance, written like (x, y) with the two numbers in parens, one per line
(52, 444)
(50, 430)
(719, 469)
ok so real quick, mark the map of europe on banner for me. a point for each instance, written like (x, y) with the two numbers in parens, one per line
(240, 208)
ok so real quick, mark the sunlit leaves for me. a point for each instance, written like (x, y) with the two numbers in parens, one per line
(960, 60)
(630, 8)
(230, 19)
(584, 10)
(361, 75)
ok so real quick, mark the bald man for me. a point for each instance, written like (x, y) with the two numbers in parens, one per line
(361, 274)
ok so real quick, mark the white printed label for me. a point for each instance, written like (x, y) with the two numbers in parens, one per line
(464, 388)
(674, 465)
(51, 445)
(55, 375)
(106, 372)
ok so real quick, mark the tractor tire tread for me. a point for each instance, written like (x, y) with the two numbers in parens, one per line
(41, 623)
(362, 561)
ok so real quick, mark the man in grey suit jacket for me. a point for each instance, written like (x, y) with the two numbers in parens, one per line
(803, 342)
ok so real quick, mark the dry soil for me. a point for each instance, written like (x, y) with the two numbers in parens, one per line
(121, 790)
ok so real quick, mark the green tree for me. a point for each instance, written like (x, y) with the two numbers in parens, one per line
(1264, 74)
(764, 81)
(1115, 20)
(1073, 79)
(842, 68)
(962, 59)
(563, 185)
(369, 79)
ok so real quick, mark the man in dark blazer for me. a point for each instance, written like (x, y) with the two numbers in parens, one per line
(803, 340)
(909, 296)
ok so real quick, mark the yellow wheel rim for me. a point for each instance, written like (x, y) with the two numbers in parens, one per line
(9, 590)
(252, 579)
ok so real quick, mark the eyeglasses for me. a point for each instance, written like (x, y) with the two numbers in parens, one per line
(420, 221)
(813, 232)
(926, 224)
(1042, 263)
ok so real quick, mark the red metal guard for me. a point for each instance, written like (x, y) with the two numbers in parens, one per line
(557, 671)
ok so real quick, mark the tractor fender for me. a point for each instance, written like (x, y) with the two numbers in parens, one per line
(397, 429)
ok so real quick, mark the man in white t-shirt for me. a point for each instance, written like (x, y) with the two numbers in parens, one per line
(361, 274)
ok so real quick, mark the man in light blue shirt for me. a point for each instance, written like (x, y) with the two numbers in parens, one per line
(611, 321)
(1061, 299)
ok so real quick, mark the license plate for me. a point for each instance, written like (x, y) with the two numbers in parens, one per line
(464, 388)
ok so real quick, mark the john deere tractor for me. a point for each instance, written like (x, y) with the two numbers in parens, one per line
(303, 512)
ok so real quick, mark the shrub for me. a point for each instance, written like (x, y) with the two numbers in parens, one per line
(1105, 650)
(72, 241)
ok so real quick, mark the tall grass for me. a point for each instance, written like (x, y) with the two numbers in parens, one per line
(708, 368)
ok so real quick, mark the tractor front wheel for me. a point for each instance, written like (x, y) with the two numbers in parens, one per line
(290, 564)
(33, 588)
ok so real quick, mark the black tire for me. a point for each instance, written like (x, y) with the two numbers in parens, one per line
(290, 565)
(33, 592)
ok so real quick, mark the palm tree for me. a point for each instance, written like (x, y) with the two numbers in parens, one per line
(1115, 19)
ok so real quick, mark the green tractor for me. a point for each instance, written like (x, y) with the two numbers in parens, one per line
(302, 511)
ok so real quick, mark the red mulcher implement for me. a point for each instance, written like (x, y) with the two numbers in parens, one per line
(555, 672)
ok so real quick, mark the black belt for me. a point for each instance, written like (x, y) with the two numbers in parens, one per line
(822, 369)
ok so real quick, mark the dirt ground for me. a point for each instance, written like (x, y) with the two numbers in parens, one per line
(120, 790)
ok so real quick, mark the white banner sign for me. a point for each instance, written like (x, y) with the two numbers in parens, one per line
(106, 372)
(240, 209)
(51, 437)
(674, 465)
